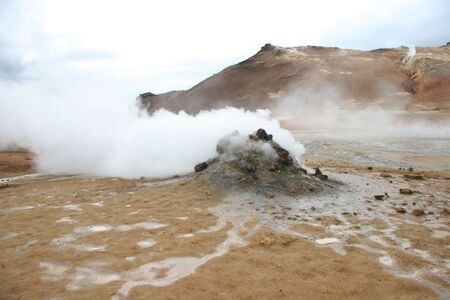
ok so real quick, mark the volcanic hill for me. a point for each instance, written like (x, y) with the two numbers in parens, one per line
(413, 80)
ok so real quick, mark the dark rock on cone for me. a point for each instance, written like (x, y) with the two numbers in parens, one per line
(200, 167)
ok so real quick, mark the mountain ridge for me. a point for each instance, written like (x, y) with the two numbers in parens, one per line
(412, 79)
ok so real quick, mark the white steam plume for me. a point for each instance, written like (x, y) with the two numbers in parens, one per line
(321, 105)
(410, 56)
(98, 134)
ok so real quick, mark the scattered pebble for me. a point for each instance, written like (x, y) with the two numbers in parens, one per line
(405, 191)
(418, 212)
(400, 210)
(413, 177)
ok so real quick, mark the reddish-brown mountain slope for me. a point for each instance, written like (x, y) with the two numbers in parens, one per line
(390, 78)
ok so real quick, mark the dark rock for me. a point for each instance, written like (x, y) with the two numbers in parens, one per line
(317, 171)
(145, 95)
(320, 175)
(400, 210)
(285, 158)
(410, 169)
(379, 197)
(414, 177)
(267, 47)
(370, 168)
(200, 167)
(262, 135)
(405, 191)
(418, 212)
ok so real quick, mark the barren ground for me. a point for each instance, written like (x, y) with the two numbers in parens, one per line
(81, 237)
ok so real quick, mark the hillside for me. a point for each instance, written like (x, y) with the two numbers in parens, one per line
(390, 78)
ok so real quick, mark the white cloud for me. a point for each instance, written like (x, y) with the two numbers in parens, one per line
(151, 41)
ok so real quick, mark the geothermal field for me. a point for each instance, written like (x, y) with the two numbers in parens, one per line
(277, 198)
(165, 150)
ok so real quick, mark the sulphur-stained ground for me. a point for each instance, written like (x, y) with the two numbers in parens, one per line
(81, 237)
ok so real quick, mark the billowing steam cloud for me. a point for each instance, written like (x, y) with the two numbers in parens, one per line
(102, 135)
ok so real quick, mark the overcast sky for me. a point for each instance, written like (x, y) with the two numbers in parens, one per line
(139, 46)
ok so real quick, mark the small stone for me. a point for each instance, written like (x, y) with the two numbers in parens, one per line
(317, 171)
(413, 177)
(410, 169)
(400, 210)
(379, 197)
(418, 212)
(370, 168)
(200, 167)
(405, 191)
(320, 175)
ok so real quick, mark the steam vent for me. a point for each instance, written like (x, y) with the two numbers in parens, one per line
(257, 163)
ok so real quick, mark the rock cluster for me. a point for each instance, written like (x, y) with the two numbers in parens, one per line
(258, 163)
